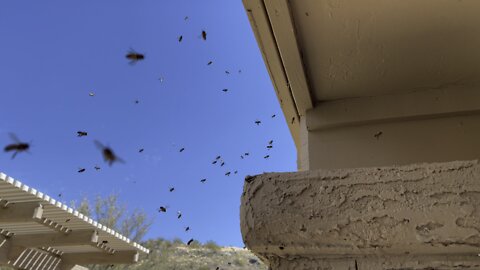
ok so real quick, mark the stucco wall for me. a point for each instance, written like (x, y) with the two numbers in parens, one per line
(405, 262)
(319, 216)
(437, 125)
(396, 143)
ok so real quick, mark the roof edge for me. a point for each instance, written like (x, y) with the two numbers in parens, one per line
(283, 61)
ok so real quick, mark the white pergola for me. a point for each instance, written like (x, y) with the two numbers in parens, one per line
(38, 232)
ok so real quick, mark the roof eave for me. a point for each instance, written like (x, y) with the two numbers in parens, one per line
(274, 31)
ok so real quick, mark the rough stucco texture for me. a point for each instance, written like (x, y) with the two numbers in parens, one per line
(406, 262)
(421, 210)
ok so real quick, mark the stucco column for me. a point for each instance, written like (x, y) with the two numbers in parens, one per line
(422, 216)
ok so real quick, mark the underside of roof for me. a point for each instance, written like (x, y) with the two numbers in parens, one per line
(318, 51)
(38, 232)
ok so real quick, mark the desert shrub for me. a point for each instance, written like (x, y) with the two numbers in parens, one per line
(212, 246)
(238, 262)
(177, 242)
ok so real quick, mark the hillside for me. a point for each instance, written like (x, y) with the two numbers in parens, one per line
(178, 256)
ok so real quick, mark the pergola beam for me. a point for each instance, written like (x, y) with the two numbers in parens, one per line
(74, 238)
(52, 225)
(119, 257)
(20, 212)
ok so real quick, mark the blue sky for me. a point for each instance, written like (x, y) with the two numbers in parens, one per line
(55, 52)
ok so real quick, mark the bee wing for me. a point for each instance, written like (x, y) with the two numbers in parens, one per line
(99, 145)
(119, 160)
(114, 159)
(14, 137)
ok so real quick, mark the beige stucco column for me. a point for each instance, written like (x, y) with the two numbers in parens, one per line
(422, 216)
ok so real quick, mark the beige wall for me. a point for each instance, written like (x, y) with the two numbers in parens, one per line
(429, 126)
(420, 216)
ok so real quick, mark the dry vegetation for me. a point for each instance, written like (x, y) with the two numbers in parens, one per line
(177, 255)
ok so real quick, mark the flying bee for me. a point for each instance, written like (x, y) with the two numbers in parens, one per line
(270, 142)
(171, 189)
(218, 157)
(162, 209)
(179, 214)
(17, 147)
(189, 242)
(235, 172)
(203, 180)
(81, 133)
(187, 229)
(267, 156)
(140, 150)
(96, 168)
(227, 72)
(241, 157)
(269, 147)
(204, 35)
(181, 149)
(209, 63)
(180, 38)
(225, 90)
(81, 170)
(273, 115)
(247, 154)
(108, 154)
(223, 163)
(227, 173)
(214, 162)
(92, 94)
(258, 122)
(134, 56)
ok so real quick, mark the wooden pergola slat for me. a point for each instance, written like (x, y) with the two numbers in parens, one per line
(38, 232)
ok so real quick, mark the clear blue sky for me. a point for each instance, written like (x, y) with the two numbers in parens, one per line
(55, 52)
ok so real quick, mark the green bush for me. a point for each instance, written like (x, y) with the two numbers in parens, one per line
(177, 242)
(212, 246)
